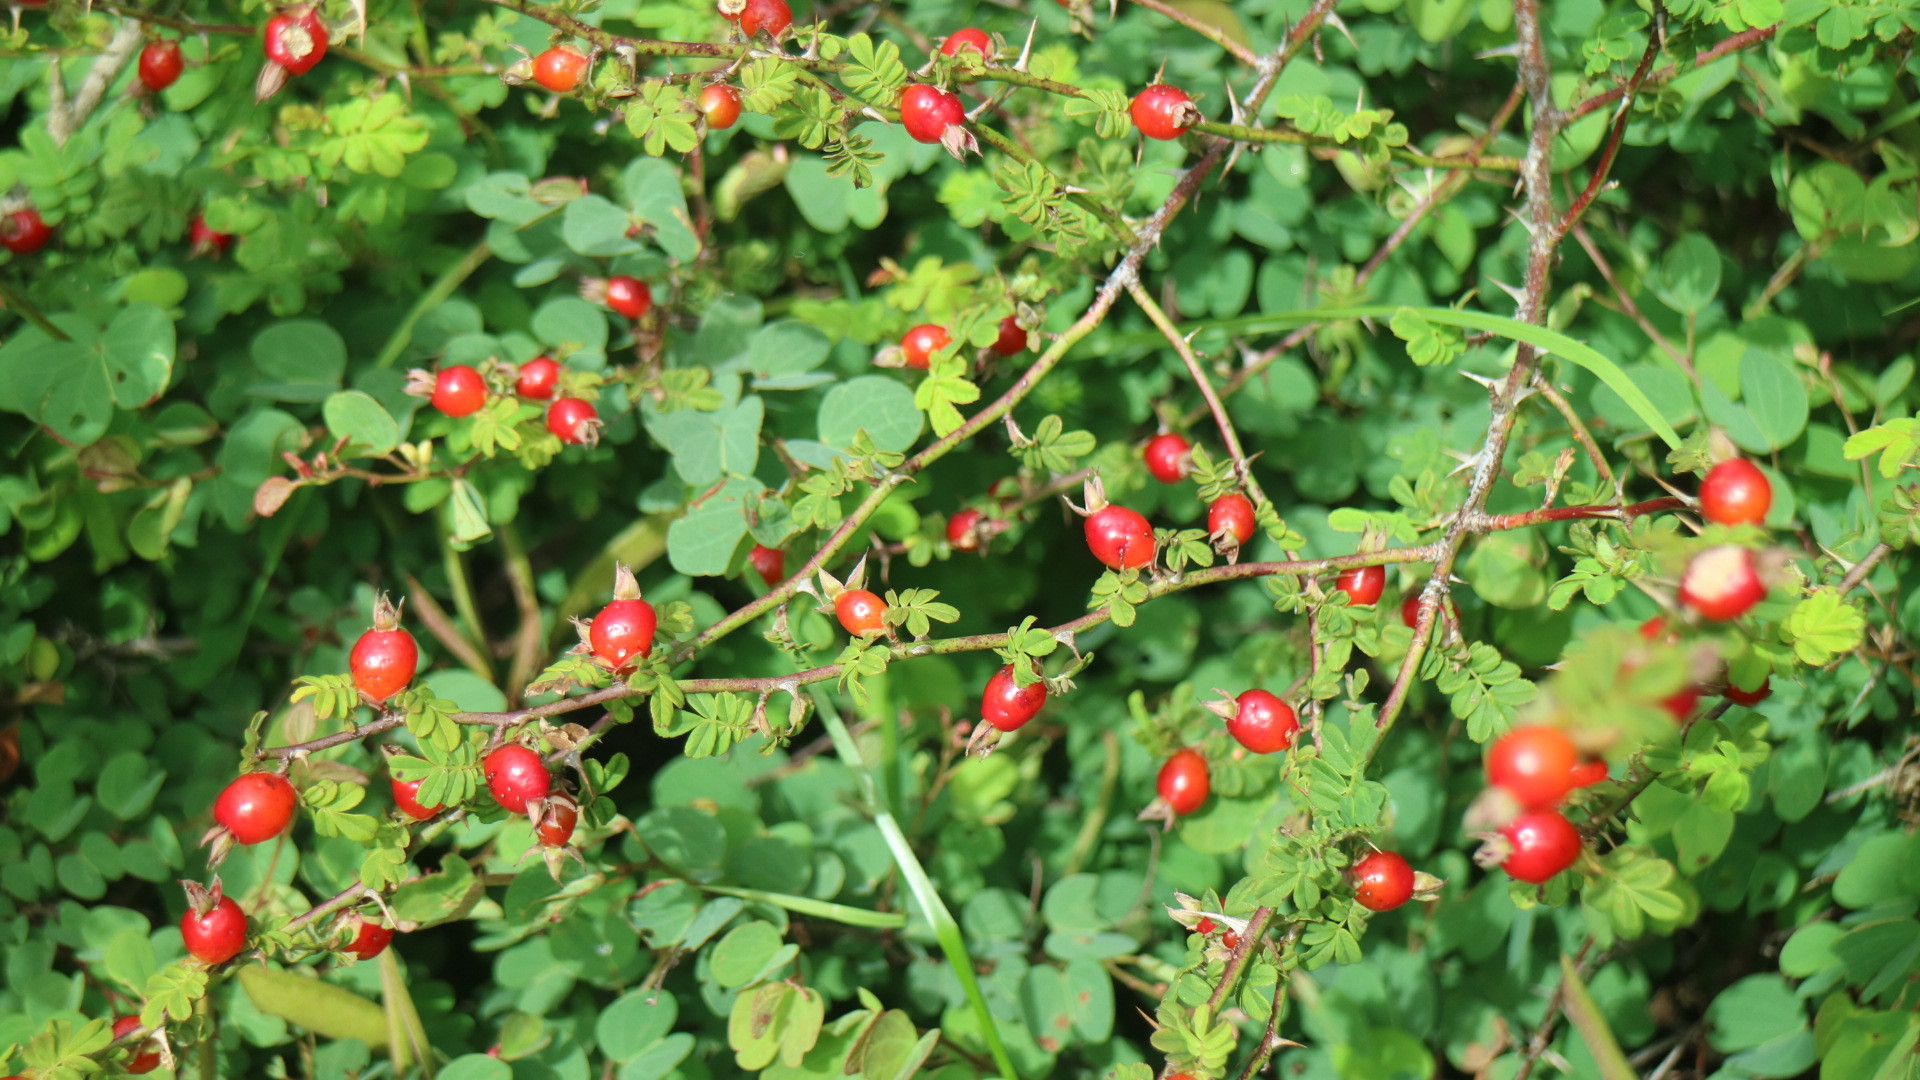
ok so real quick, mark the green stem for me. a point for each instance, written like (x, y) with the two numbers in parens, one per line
(1096, 818)
(455, 276)
(952, 943)
(14, 300)
(474, 632)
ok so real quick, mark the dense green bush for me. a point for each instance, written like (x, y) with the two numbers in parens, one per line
(1473, 292)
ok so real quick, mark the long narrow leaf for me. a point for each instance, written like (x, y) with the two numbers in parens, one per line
(1592, 1025)
(819, 909)
(952, 943)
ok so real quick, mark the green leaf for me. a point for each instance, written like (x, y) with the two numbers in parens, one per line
(1822, 627)
(367, 426)
(320, 1007)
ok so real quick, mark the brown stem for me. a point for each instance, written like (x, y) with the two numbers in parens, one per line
(1864, 567)
(1607, 155)
(437, 622)
(1745, 39)
(1581, 435)
(1206, 30)
(1251, 941)
(1627, 305)
(1500, 522)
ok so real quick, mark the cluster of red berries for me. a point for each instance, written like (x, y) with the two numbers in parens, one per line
(459, 390)
(919, 344)
(1722, 583)
(1538, 767)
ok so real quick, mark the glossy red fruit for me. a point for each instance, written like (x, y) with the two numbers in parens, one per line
(160, 64)
(928, 111)
(558, 69)
(219, 935)
(1589, 773)
(516, 776)
(1012, 340)
(1231, 515)
(1007, 706)
(970, 38)
(141, 1060)
(256, 806)
(24, 232)
(1722, 583)
(1534, 764)
(205, 241)
(1262, 722)
(1750, 697)
(371, 941)
(459, 391)
(556, 824)
(406, 796)
(539, 378)
(860, 611)
(629, 296)
(1120, 537)
(1382, 881)
(921, 342)
(622, 633)
(1544, 843)
(1363, 584)
(1162, 111)
(1735, 492)
(296, 41)
(1168, 457)
(574, 420)
(383, 662)
(771, 16)
(1184, 784)
(720, 103)
(1231, 941)
(769, 563)
(963, 530)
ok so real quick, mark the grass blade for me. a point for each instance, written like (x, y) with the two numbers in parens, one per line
(944, 927)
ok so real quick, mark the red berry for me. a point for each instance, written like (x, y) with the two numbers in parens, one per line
(459, 391)
(219, 935)
(1735, 492)
(963, 530)
(383, 662)
(1007, 706)
(141, 1060)
(1753, 697)
(1231, 941)
(1163, 112)
(539, 378)
(1262, 722)
(1681, 705)
(1382, 881)
(556, 823)
(772, 16)
(928, 111)
(160, 64)
(921, 342)
(256, 806)
(720, 103)
(516, 776)
(1534, 764)
(970, 38)
(860, 611)
(1231, 515)
(629, 296)
(1589, 773)
(574, 420)
(205, 241)
(1722, 583)
(23, 232)
(558, 69)
(296, 41)
(1204, 926)
(406, 795)
(370, 942)
(622, 632)
(769, 563)
(1012, 340)
(1656, 629)
(1168, 456)
(1363, 584)
(1120, 537)
(1544, 843)
(1184, 784)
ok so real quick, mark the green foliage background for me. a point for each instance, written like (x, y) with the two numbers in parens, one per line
(806, 876)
